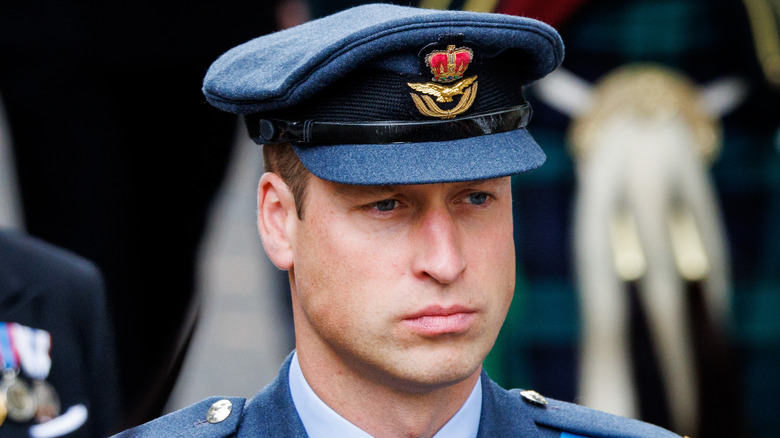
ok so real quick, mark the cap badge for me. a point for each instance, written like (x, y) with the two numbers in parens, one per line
(446, 66)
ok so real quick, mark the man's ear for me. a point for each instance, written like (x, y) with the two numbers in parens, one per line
(275, 210)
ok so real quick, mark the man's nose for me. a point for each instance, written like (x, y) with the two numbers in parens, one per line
(439, 253)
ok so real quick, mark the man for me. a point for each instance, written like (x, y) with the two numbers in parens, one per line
(390, 136)
(56, 343)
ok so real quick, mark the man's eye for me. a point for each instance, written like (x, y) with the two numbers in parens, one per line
(386, 205)
(477, 198)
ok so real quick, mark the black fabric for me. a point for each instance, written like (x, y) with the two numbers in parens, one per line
(373, 94)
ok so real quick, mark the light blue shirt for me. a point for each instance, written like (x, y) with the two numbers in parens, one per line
(320, 421)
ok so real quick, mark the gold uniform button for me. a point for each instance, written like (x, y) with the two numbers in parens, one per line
(219, 411)
(534, 397)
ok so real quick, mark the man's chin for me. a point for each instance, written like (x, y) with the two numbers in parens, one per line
(435, 373)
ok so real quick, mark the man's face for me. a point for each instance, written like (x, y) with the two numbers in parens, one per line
(407, 286)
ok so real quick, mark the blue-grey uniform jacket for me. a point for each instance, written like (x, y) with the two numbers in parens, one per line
(271, 413)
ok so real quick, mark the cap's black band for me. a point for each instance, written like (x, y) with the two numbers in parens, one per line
(269, 131)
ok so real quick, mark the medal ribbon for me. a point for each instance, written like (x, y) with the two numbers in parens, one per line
(33, 346)
(7, 349)
(2, 356)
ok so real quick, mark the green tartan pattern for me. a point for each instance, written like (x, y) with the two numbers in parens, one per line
(707, 40)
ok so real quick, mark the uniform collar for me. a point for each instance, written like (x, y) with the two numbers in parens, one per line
(322, 421)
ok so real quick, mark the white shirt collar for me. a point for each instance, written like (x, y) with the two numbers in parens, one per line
(320, 421)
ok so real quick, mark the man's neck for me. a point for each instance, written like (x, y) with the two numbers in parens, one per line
(382, 410)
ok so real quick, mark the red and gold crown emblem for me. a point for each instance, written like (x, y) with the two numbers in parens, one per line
(447, 66)
(450, 64)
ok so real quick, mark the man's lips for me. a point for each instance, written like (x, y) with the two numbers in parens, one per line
(438, 320)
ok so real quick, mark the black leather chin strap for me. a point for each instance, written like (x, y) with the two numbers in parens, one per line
(270, 131)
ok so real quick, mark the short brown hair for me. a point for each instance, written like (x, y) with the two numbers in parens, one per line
(282, 160)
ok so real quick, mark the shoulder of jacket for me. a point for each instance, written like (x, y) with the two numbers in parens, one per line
(214, 417)
(575, 421)
(33, 260)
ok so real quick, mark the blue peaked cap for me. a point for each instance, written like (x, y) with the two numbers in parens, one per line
(385, 94)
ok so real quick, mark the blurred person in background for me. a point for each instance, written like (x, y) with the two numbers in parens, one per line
(56, 343)
(109, 177)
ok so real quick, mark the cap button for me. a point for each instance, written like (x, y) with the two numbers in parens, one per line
(219, 411)
(267, 129)
(534, 397)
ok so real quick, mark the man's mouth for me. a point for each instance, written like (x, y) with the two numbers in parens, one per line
(438, 320)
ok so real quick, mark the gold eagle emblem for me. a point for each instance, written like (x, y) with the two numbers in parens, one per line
(443, 93)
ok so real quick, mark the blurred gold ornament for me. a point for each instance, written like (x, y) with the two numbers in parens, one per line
(645, 92)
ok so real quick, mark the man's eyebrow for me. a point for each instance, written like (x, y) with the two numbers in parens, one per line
(357, 190)
(479, 182)
(385, 190)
